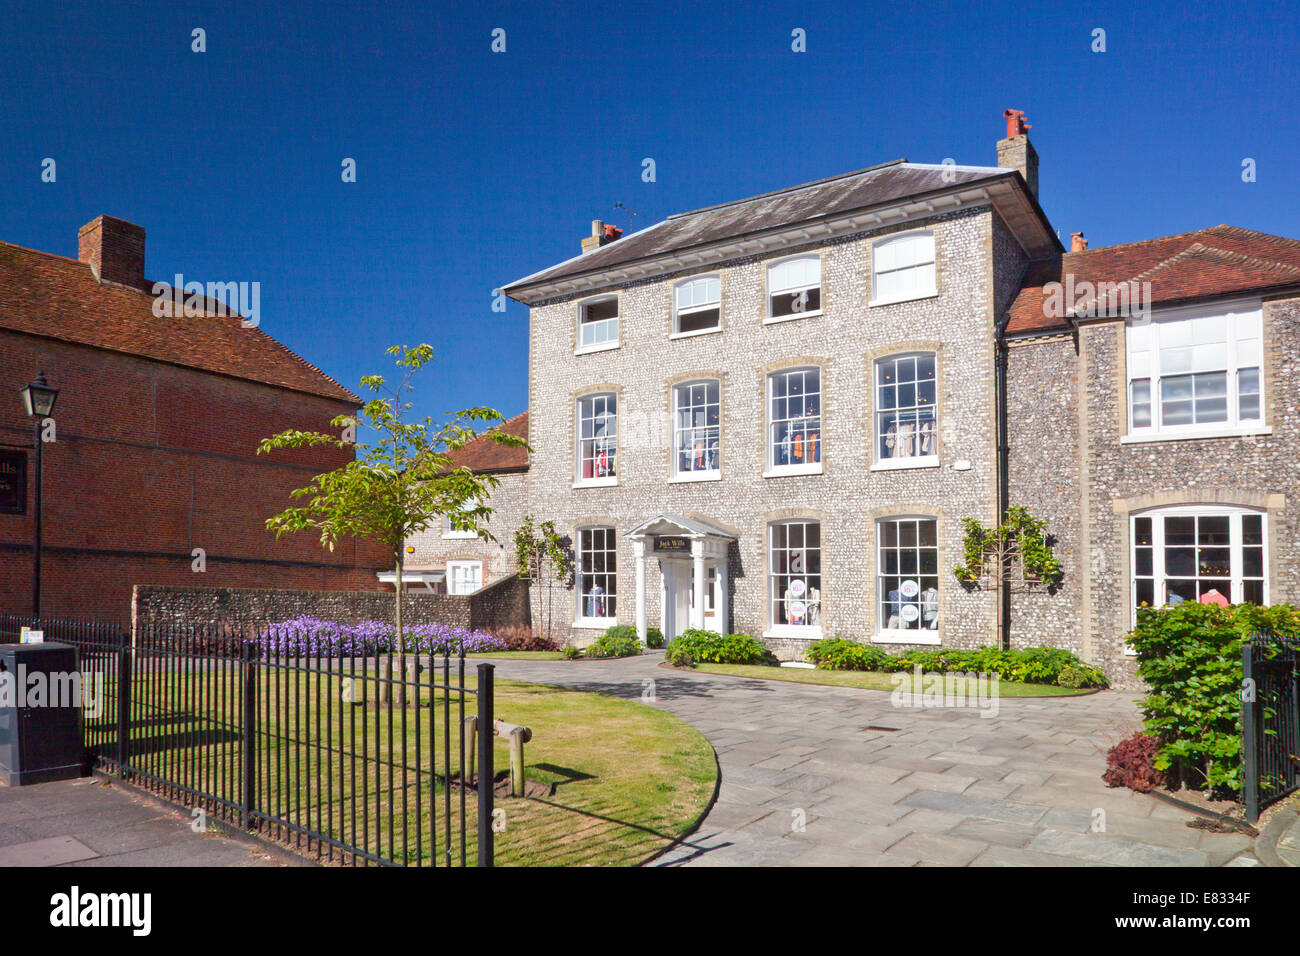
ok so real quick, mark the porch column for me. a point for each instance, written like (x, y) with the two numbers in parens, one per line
(724, 603)
(638, 547)
(698, 581)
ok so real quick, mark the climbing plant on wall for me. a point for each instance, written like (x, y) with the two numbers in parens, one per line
(1019, 543)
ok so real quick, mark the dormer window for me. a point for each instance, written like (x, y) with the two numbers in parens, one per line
(794, 287)
(598, 324)
(697, 305)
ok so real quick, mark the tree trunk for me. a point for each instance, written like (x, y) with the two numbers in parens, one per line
(386, 695)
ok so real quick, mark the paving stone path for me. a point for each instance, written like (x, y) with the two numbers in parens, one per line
(87, 822)
(809, 778)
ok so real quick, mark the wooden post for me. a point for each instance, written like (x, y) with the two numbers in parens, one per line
(518, 737)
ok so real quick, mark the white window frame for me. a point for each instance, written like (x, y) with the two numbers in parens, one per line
(616, 320)
(808, 631)
(910, 461)
(579, 481)
(774, 470)
(451, 533)
(769, 318)
(696, 307)
(694, 474)
(927, 291)
(581, 618)
(1159, 576)
(454, 566)
(1241, 352)
(921, 635)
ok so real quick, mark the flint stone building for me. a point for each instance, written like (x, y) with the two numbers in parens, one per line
(771, 416)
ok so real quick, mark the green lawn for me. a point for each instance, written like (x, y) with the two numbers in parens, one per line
(630, 779)
(871, 680)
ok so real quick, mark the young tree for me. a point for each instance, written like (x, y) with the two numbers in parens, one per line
(543, 559)
(403, 483)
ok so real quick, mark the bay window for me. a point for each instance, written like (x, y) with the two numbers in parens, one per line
(795, 578)
(1195, 370)
(597, 439)
(794, 422)
(697, 305)
(794, 287)
(697, 426)
(1214, 555)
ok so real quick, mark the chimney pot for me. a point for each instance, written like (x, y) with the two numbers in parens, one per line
(600, 235)
(114, 250)
(1016, 152)
(1077, 242)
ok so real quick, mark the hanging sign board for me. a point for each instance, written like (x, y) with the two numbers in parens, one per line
(13, 481)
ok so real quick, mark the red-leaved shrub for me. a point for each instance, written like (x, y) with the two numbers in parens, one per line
(1131, 763)
(521, 638)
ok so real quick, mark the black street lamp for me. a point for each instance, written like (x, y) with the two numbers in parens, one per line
(38, 399)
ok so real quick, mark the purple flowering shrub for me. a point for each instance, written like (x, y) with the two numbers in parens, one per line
(312, 637)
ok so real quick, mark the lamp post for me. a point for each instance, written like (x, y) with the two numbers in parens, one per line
(38, 399)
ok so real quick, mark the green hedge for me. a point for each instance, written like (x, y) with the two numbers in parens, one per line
(1034, 665)
(1190, 657)
(653, 636)
(710, 647)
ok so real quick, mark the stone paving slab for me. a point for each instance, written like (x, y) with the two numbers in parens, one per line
(947, 787)
(89, 822)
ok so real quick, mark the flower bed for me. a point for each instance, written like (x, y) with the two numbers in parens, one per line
(313, 637)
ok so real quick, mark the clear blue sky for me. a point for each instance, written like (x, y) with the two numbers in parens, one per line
(477, 168)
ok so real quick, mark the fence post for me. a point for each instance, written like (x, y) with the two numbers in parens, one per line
(486, 771)
(248, 661)
(1249, 743)
(123, 705)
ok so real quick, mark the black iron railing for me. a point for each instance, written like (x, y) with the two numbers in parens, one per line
(1270, 719)
(358, 760)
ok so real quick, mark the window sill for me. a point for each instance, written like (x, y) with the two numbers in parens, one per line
(1143, 438)
(901, 464)
(596, 483)
(778, 319)
(925, 635)
(691, 335)
(459, 537)
(698, 476)
(595, 623)
(789, 471)
(911, 298)
(603, 347)
(807, 632)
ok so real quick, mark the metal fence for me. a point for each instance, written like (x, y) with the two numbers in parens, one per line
(1270, 719)
(358, 760)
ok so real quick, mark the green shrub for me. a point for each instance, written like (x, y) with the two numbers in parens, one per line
(615, 643)
(1072, 676)
(1190, 656)
(571, 653)
(1034, 665)
(678, 656)
(710, 647)
(654, 637)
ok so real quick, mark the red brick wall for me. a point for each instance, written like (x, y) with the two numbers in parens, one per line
(151, 462)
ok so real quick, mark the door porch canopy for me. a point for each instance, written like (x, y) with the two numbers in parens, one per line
(677, 537)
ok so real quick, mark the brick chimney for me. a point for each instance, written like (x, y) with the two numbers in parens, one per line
(601, 234)
(114, 250)
(1016, 152)
(1077, 242)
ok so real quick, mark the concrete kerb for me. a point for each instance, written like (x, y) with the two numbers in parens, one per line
(1266, 844)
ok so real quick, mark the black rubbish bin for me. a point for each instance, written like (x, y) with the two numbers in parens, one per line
(40, 714)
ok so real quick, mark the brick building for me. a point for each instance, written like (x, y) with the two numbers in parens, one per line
(156, 428)
(772, 415)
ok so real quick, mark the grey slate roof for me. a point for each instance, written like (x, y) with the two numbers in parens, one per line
(863, 189)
